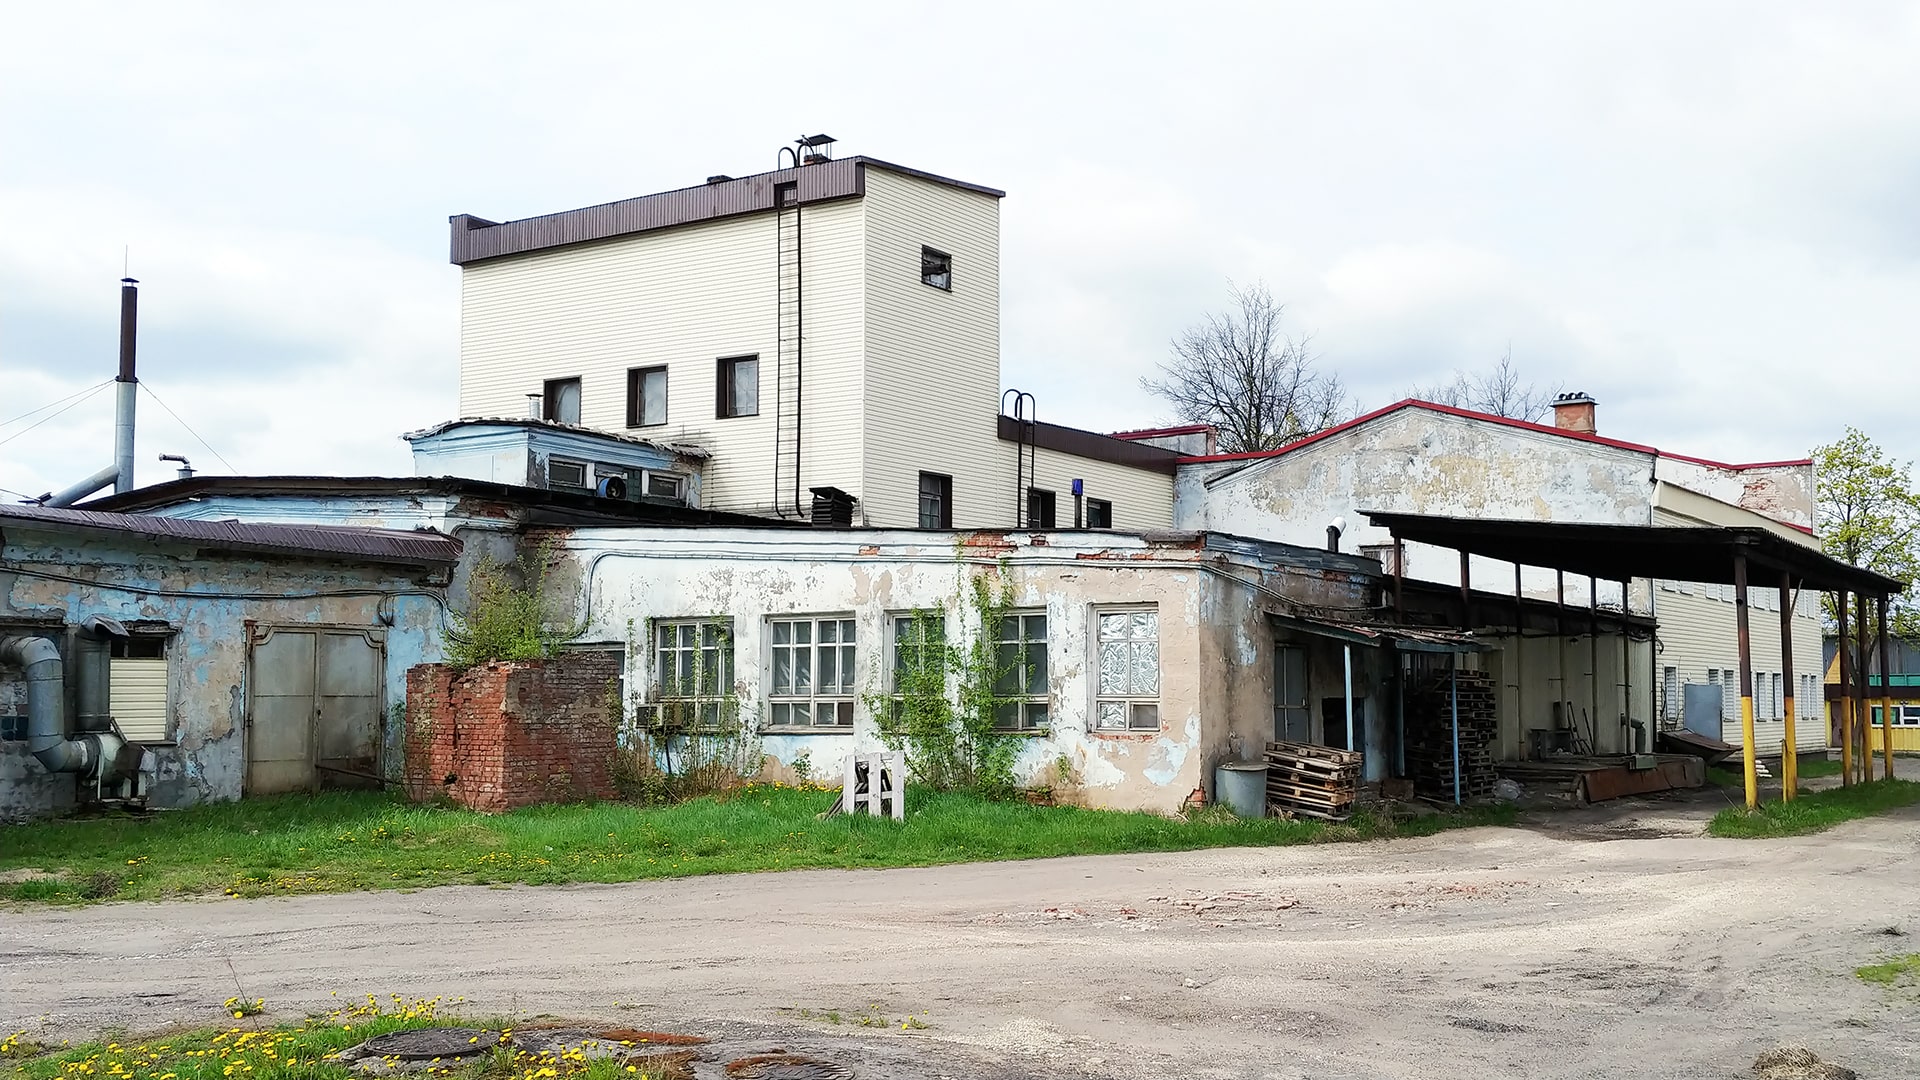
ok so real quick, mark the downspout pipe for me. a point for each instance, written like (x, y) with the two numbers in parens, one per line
(46, 708)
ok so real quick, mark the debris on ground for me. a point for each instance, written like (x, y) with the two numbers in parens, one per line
(1798, 1063)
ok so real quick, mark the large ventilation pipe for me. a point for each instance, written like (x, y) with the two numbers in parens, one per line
(47, 737)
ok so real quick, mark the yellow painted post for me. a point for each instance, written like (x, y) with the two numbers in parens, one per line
(1790, 749)
(1886, 693)
(1746, 679)
(1863, 714)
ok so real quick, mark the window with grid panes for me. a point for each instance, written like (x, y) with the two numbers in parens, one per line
(1021, 698)
(810, 676)
(693, 663)
(1128, 655)
(919, 661)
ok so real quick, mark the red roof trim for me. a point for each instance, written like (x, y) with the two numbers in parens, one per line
(1155, 433)
(1524, 425)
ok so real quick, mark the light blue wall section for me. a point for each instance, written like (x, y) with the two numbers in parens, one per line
(522, 455)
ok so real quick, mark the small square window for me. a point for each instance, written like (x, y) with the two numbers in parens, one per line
(1039, 508)
(566, 474)
(936, 269)
(13, 727)
(561, 402)
(646, 396)
(1099, 514)
(936, 501)
(738, 387)
(663, 485)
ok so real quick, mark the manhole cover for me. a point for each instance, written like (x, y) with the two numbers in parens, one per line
(786, 1067)
(425, 1044)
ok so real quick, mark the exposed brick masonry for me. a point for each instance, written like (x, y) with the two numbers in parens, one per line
(511, 734)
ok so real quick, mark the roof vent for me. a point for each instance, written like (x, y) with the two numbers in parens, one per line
(718, 178)
(806, 150)
(832, 508)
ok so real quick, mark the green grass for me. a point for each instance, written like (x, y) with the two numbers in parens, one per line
(299, 1051)
(1816, 812)
(341, 842)
(1899, 971)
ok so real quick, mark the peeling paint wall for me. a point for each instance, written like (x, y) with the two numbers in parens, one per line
(1214, 687)
(209, 600)
(1422, 462)
(1784, 492)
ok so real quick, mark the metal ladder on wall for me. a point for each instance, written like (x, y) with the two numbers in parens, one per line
(1025, 451)
(787, 359)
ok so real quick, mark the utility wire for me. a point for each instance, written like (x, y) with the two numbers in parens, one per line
(156, 397)
(50, 416)
(49, 405)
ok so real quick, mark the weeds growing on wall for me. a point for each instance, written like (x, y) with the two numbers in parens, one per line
(950, 738)
(506, 613)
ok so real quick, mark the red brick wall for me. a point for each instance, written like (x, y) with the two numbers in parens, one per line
(511, 734)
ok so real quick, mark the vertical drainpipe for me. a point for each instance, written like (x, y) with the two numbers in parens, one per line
(1346, 656)
(126, 388)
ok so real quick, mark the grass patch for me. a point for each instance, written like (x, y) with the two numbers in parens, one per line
(1724, 776)
(346, 841)
(1817, 812)
(303, 1051)
(1899, 971)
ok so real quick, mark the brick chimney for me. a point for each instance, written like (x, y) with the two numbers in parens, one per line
(1573, 412)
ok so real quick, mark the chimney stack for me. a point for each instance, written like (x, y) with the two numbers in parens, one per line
(1574, 412)
(126, 389)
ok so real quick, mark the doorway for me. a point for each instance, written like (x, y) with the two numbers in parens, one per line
(314, 712)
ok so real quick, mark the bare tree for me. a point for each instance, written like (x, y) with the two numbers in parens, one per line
(1256, 385)
(1497, 391)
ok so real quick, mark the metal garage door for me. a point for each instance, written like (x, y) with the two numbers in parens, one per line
(315, 715)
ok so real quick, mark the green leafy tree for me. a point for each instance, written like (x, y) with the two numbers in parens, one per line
(1870, 515)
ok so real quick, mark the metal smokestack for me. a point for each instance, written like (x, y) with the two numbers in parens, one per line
(126, 389)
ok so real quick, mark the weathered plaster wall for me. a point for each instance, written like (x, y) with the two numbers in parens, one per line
(209, 600)
(1423, 462)
(1784, 493)
(1212, 638)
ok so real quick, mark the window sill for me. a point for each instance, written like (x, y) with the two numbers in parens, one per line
(736, 416)
(639, 427)
(811, 730)
(1126, 733)
(1024, 733)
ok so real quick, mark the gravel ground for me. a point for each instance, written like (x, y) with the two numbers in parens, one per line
(1608, 942)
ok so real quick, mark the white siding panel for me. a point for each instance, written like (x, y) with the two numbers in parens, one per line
(933, 355)
(683, 298)
(138, 698)
(1697, 634)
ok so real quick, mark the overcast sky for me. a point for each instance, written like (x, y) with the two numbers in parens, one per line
(1705, 215)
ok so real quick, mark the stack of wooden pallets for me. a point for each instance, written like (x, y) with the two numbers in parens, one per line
(1311, 781)
(1430, 725)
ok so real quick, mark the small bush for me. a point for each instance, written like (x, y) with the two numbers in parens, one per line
(506, 619)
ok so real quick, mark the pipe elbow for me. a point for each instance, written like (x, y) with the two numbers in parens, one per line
(46, 688)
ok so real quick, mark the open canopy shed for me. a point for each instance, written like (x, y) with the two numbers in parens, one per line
(1716, 554)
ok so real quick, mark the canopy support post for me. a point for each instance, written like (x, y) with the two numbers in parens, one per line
(1790, 747)
(1746, 678)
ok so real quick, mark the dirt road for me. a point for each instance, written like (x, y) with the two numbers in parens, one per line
(1551, 952)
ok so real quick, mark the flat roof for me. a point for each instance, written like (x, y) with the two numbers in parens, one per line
(1622, 552)
(475, 238)
(332, 541)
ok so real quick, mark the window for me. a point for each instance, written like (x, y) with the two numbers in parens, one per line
(1908, 716)
(936, 269)
(1020, 691)
(1039, 508)
(936, 501)
(919, 661)
(693, 663)
(812, 673)
(1670, 693)
(738, 387)
(663, 485)
(570, 474)
(646, 396)
(1775, 701)
(1099, 514)
(1129, 659)
(562, 401)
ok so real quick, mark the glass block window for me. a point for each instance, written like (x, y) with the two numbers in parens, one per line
(1022, 701)
(1129, 662)
(810, 673)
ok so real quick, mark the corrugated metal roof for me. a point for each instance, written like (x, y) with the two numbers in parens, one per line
(367, 545)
